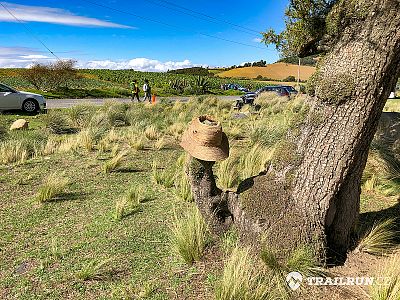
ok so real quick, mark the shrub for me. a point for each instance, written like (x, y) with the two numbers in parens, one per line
(114, 162)
(240, 279)
(189, 235)
(53, 186)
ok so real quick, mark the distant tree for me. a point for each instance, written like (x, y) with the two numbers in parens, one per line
(51, 76)
(290, 78)
(37, 75)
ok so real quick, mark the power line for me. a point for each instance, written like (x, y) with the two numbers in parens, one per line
(173, 26)
(211, 17)
(29, 31)
(201, 16)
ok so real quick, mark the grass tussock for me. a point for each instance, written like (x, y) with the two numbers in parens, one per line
(93, 270)
(227, 173)
(129, 204)
(381, 239)
(13, 152)
(160, 144)
(152, 133)
(254, 161)
(165, 177)
(136, 141)
(189, 235)
(389, 289)
(53, 186)
(240, 280)
(183, 188)
(115, 162)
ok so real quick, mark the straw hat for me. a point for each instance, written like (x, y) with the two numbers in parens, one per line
(205, 140)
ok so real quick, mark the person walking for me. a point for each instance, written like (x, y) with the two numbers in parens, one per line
(147, 91)
(135, 90)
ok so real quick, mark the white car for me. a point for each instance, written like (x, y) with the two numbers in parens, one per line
(12, 99)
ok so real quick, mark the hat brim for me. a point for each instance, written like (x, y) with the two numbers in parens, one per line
(206, 153)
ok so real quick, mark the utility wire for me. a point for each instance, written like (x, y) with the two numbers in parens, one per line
(173, 26)
(29, 31)
(210, 17)
(201, 16)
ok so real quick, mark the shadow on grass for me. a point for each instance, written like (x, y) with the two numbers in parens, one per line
(67, 197)
(128, 170)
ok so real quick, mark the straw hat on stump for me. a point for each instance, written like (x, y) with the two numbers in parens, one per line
(205, 140)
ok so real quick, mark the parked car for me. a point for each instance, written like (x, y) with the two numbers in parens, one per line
(11, 99)
(278, 89)
(248, 98)
(290, 89)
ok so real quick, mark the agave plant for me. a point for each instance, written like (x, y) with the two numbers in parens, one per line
(178, 84)
(202, 84)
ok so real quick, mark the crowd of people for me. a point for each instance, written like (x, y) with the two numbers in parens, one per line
(135, 90)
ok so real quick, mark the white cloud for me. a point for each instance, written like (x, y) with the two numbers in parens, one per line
(257, 40)
(139, 64)
(22, 57)
(51, 15)
(34, 56)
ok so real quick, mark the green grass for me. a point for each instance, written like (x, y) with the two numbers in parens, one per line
(53, 186)
(241, 280)
(189, 235)
(381, 239)
(389, 289)
(44, 247)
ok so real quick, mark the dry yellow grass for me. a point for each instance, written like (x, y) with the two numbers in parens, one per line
(277, 71)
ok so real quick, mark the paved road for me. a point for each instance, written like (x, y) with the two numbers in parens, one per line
(65, 103)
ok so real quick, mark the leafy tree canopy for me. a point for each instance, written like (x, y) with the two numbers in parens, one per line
(313, 26)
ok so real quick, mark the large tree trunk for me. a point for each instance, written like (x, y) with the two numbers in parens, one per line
(312, 196)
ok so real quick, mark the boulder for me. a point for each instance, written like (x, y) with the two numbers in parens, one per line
(19, 124)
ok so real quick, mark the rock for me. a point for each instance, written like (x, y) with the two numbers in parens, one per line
(19, 124)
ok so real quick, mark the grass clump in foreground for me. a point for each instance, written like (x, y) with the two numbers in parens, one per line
(114, 163)
(301, 260)
(165, 177)
(129, 204)
(53, 186)
(240, 280)
(183, 188)
(390, 290)
(380, 240)
(93, 270)
(189, 235)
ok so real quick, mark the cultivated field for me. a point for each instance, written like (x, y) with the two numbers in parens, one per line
(276, 71)
(95, 204)
(116, 83)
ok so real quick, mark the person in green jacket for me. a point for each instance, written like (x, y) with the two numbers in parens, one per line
(135, 90)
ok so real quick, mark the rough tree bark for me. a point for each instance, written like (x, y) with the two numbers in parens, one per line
(312, 196)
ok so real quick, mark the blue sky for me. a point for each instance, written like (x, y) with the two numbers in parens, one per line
(100, 37)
